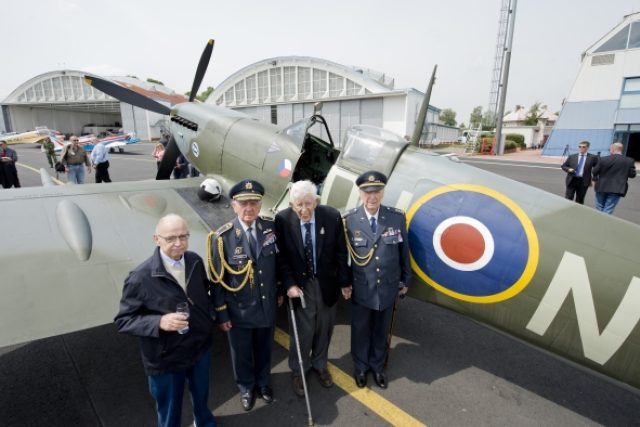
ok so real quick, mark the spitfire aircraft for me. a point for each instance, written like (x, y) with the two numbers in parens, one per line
(552, 273)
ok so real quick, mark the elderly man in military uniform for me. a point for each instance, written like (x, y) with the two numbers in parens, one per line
(377, 243)
(242, 264)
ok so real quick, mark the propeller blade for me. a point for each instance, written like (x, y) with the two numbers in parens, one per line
(202, 69)
(171, 153)
(124, 94)
(422, 116)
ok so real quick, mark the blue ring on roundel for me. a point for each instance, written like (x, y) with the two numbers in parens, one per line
(511, 252)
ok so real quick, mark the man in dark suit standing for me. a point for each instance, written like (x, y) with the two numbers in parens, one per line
(379, 250)
(314, 265)
(610, 176)
(578, 168)
(242, 265)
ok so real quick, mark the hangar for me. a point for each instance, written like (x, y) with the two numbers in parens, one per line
(604, 103)
(61, 100)
(284, 89)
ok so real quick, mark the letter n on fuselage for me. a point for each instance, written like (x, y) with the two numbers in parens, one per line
(571, 276)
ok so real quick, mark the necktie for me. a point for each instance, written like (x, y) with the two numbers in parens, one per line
(253, 244)
(308, 248)
(580, 166)
(374, 226)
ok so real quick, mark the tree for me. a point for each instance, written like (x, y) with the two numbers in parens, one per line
(152, 80)
(533, 115)
(203, 95)
(448, 117)
(476, 117)
(462, 126)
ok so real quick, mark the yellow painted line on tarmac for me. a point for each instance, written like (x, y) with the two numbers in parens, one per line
(378, 404)
(57, 181)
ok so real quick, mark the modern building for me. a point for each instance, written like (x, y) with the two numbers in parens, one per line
(61, 100)
(285, 89)
(604, 103)
(534, 135)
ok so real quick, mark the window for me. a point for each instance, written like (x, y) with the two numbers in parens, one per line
(630, 97)
(634, 37)
(289, 77)
(228, 97)
(319, 83)
(239, 89)
(616, 42)
(336, 83)
(304, 82)
(276, 84)
(274, 114)
(251, 89)
(263, 86)
(353, 88)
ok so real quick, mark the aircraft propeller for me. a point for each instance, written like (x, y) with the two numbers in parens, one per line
(130, 97)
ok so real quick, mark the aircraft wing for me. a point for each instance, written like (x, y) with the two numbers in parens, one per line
(73, 246)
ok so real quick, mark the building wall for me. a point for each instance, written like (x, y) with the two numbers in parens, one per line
(25, 119)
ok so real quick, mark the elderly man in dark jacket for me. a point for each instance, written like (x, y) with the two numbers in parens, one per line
(175, 346)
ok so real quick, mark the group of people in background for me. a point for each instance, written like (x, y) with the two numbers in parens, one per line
(253, 264)
(74, 158)
(8, 172)
(609, 175)
(182, 167)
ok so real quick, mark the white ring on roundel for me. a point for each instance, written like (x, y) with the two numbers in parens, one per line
(489, 245)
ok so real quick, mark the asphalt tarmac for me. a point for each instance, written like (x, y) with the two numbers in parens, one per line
(444, 369)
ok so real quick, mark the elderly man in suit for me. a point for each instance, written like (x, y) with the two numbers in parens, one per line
(242, 265)
(314, 265)
(610, 176)
(578, 167)
(379, 250)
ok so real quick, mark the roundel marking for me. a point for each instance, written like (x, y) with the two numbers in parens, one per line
(472, 243)
(463, 243)
(195, 149)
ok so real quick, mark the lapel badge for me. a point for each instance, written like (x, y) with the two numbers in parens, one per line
(238, 232)
(238, 250)
(259, 226)
(321, 230)
(357, 233)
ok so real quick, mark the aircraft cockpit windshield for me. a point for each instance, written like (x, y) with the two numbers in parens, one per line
(370, 148)
(297, 131)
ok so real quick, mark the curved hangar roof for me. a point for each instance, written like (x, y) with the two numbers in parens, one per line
(67, 90)
(297, 79)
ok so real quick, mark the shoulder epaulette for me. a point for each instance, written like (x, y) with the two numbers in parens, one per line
(396, 210)
(228, 226)
(349, 212)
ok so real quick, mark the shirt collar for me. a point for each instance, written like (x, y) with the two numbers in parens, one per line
(312, 221)
(369, 216)
(172, 262)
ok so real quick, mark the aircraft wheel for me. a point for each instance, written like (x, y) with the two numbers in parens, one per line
(111, 150)
(120, 150)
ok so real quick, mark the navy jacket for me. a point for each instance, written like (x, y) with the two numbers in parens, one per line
(150, 292)
(376, 284)
(572, 163)
(254, 305)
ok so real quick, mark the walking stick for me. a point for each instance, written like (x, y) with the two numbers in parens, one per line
(390, 334)
(302, 371)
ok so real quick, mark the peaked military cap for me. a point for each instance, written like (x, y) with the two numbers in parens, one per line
(247, 189)
(371, 181)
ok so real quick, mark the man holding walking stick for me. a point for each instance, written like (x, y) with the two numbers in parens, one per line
(379, 250)
(314, 265)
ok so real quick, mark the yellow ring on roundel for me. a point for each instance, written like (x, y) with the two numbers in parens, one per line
(529, 230)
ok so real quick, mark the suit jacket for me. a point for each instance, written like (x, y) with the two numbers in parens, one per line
(611, 173)
(253, 306)
(572, 163)
(332, 270)
(376, 284)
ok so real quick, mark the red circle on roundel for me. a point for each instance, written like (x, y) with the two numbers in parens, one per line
(462, 243)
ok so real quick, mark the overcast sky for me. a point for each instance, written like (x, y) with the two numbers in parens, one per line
(404, 39)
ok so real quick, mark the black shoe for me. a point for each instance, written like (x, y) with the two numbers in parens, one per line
(361, 378)
(266, 393)
(297, 385)
(248, 400)
(380, 379)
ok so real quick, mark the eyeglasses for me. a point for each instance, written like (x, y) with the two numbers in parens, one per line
(173, 239)
(582, 146)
